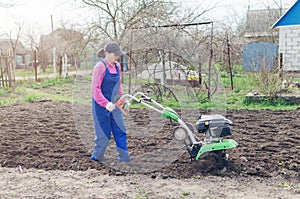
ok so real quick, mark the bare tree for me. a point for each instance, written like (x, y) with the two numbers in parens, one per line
(157, 24)
(117, 17)
(6, 4)
(31, 37)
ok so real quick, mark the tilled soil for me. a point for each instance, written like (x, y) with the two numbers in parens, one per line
(43, 135)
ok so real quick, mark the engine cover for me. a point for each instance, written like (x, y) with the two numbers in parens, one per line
(218, 125)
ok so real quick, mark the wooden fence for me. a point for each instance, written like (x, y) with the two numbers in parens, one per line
(7, 77)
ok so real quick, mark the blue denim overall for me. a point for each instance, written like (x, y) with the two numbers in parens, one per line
(106, 122)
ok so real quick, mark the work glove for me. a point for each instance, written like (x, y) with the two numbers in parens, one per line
(110, 107)
(121, 104)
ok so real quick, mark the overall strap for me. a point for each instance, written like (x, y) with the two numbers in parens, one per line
(103, 62)
(117, 68)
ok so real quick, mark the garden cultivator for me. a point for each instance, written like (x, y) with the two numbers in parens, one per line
(214, 127)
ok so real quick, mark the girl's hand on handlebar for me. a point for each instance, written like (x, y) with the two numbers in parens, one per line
(120, 104)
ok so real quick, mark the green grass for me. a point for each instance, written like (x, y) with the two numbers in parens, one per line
(142, 195)
(48, 82)
(62, 89)
(28, 72)
(45, 89)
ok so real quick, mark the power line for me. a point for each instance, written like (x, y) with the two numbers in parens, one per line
(174, 25)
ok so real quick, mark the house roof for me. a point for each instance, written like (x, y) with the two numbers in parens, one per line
(64, 40)
(290, 17)
(258, 22)
(7, 44)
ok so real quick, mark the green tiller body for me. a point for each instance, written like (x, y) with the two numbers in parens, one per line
(214, 128)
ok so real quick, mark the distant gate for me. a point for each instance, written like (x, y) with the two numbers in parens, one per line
(258, 56)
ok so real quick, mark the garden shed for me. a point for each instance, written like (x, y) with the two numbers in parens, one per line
(258, 23)
(261, 50)
(289, 38)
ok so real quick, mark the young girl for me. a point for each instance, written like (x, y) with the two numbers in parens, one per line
(106, 88)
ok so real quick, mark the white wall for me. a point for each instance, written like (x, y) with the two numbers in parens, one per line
(289, 46)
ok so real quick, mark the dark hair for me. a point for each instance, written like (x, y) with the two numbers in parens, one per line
(100, 53)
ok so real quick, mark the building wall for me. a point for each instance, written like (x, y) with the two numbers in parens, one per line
(289, 46)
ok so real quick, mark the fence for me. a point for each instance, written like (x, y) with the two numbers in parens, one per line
(7, 78)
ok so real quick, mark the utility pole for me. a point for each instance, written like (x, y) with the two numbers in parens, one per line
(35, 65)
(53, 50)
(51, 23)
(130, 64)
(229, 60)
(164, 79)
(210, 61)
